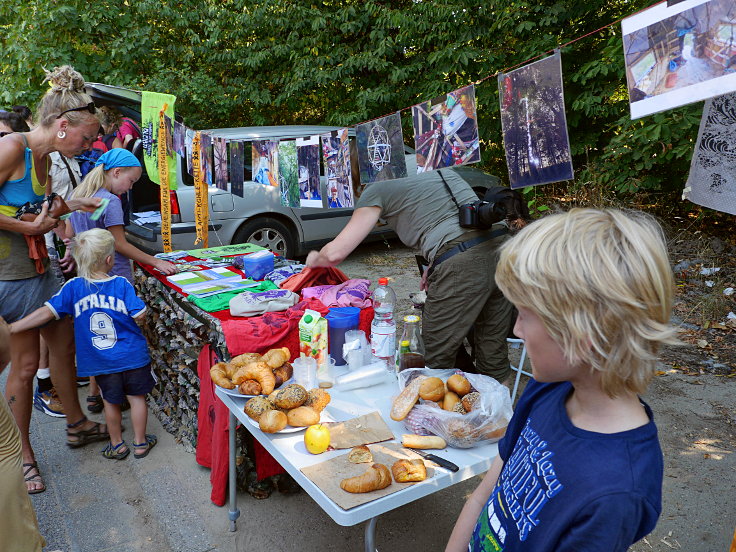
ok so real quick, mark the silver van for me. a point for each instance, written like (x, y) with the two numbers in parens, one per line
(258, 217)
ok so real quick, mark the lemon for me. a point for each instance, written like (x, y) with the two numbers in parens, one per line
(317, 438)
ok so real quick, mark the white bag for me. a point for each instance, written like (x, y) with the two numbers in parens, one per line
(485, 424)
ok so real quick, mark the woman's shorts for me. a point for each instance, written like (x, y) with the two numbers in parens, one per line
(115, 387)
(19, 298)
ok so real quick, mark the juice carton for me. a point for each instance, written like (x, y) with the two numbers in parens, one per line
(313, 338)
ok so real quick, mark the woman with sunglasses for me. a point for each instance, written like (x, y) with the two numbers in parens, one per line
(66, 123)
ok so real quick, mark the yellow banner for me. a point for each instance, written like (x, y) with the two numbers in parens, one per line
(163, 175)
(201, 199)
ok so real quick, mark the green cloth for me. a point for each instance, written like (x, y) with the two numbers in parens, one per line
(221, 301)
(222, 250)
(151, 104)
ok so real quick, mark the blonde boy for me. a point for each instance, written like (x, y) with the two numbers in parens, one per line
(580, 467)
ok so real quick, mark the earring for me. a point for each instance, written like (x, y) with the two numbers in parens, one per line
(61, 134)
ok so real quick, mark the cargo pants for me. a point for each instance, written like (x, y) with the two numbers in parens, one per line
(462, 293)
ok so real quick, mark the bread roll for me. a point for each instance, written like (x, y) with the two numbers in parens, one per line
(459, 408)
(450, 400)
(256, 406)
(458, 384)
(360, 455)
(494, 431)
(432, 389)
(460, 429)
(219, 377)
(290, 396)
(422, 441)
(471, 401)
(283, 373)
(302, 416)
(250, 387)
(406, 399)
(377, 477)
(272, 421)
(317, 399)
(406, 471)
(258, 371)
(276, 357)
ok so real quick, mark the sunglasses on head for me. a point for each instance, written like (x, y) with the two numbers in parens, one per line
(89, 107)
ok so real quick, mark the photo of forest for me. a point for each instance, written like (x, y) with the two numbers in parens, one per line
(336, 153)
(265, 162)
(188, 138)
(288, 174)
(381, 149)
(307, 154)
(237, 170)
(205, 156)
(220, 154)
(534, 125)
(446, 131)
(179, 130)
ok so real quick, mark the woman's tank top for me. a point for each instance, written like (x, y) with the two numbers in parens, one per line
(15, 193)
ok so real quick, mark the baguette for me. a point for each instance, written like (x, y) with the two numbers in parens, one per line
(406, 399)
(377, 477)
(422, 441)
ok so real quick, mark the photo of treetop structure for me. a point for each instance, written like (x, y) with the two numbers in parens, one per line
(694, 49)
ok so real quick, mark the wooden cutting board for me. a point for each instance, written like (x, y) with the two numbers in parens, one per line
(363, 430)
(328, 474)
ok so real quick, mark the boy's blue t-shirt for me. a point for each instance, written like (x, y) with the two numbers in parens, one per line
(107, 337)
(565, 488)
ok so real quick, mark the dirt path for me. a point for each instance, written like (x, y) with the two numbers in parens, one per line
(694, 405)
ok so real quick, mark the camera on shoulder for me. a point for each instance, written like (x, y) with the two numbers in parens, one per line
(486, 212)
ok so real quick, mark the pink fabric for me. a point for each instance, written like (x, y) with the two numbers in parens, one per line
(353, 293)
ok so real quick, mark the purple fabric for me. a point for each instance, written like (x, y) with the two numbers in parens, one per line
(353, 293)
(112, 216)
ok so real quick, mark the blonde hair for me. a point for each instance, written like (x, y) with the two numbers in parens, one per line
(601, 282)
(93, 181)
(66, 92)
(91, 248)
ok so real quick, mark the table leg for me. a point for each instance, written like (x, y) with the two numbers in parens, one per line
(234, 513)
(370, 535)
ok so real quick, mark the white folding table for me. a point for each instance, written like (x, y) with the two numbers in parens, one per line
(288, 449)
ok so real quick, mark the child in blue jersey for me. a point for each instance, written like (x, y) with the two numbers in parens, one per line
(109, 343)
(580, 467)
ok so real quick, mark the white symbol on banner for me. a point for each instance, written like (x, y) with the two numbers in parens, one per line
(379, 148)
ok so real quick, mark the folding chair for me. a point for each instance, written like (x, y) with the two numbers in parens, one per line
(515, 343)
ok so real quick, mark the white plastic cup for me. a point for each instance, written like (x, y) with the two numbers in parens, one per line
(305, 372)
(326, 373)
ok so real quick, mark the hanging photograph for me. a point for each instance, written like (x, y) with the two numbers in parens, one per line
(446, 131)
(680, 54)
(534, 125)
(265, 162)
(237, 171)
(288, 174)
(336, 153)
(188, 138)
(179, 132)
(712, 179)
(307, 155)
(206, 157)
(169, 136)
(381, 149)
(220, 155)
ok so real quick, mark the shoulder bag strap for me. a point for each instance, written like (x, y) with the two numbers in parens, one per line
(72, 178)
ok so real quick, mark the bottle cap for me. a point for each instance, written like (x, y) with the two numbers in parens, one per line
(405, 343)
(383, 281)
(308, 319)
(411, 319)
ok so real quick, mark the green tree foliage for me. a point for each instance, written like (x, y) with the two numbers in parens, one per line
(341, 62)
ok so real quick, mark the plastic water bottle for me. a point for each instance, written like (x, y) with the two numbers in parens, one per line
(383, 327)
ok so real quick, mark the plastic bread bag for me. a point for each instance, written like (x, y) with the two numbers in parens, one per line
(484, 424)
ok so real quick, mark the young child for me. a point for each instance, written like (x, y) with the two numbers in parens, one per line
(114, 174)
(580, 467)
(109, 343)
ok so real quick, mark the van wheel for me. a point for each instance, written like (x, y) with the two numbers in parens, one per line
(269, 233)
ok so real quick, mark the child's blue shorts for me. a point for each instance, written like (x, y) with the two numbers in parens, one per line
(116, 386)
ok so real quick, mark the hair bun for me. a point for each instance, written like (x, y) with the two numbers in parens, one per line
(65, 79)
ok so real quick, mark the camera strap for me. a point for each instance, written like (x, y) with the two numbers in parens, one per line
(449, 191)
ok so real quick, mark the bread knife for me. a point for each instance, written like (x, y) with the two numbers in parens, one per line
(437, 460)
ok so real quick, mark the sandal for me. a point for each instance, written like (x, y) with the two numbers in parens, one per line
(151, 441)
(85, 436)
(95, 404)
(114, 452)
(35, 478)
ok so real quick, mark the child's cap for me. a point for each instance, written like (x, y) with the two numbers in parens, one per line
(117, 157)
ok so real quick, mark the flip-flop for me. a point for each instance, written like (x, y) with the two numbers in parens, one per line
(151, 441)
(36, 478)
(85, 436)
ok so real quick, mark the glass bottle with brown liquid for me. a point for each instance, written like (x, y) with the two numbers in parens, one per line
(411, 351)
